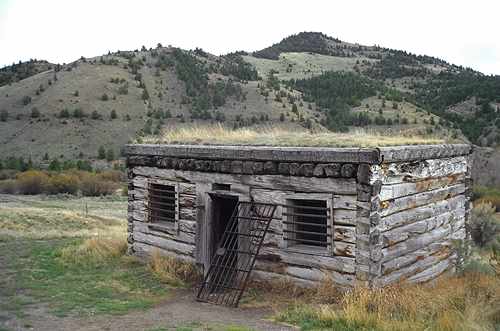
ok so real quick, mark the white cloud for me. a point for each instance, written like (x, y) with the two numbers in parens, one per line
(460, 32)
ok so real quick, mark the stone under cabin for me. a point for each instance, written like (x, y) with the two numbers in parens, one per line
(359, 216)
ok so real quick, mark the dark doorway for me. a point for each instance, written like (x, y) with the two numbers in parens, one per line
(223, 208)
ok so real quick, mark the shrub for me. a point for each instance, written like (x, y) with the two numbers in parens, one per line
(95, 115)
(8, 186)
(35, 113)
(104, 97)
(78, 113)
(32, 182)
(110, 155)
(26, 100)
(64, 113)
(92, 185)
(487, 194)
(101, 153)
(483, 225)
(145, 94)
(76, 93)
(63, 183)
(112, 115)
(173, 271)
(4, 116)
(123, 89)
(55, 165)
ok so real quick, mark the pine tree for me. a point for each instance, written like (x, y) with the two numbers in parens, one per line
(101, 153)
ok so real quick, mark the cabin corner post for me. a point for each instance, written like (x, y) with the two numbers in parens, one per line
(468, 198)
(368, 243)
(130, 208)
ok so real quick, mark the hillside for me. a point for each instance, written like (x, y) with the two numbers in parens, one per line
(308, 81)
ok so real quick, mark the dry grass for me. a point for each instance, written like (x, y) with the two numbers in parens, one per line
(275, 136)
(95, 250)
(172, 271)
(470, 302)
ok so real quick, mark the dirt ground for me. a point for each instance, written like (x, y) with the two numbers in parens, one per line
(179, 310)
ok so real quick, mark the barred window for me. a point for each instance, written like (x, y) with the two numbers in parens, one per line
(306, 223)
(162, 204)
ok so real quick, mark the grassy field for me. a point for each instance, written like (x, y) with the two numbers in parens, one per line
(68, 254)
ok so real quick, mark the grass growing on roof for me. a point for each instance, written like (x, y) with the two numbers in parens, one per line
(274, 136)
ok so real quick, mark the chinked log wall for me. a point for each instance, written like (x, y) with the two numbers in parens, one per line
(395, 210)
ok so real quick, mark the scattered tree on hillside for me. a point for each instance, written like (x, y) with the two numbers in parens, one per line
(104, 97)
(95, 115)
(112, 115)
(26, 100)
(64, 113)
(110, 155)
(35, 113)
(4, 115)
(101, 153)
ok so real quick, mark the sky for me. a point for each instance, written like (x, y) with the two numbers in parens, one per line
(60, 31)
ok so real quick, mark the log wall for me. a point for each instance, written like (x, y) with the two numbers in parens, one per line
(395, 211)
(420, 208)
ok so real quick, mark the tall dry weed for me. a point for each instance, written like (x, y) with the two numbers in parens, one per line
(172, 271)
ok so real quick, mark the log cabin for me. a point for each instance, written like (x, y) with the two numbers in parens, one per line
(359, 216)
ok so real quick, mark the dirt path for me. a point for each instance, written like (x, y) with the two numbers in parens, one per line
(181, 309)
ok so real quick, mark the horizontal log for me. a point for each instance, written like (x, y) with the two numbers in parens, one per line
(271, 276)
(394, 191)
(165, 232)
(420, 199)
(348, 202)
(257, 153)
(421, 265)
(420, 213)
(410, 258)
(166, 244)
(336, 263)
(395, 173)
(145, 251)
(312, 275)
(415, 243)
(432, 272)
(344, 233)
(344, 249)
(188, 214)
(402, 233)
(298, 184)
(344, 217)
(422, 152)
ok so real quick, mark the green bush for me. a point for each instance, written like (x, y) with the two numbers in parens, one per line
(26, 100)
(484, 226)
(4, 116)
(64, 113)
(487, 194)
(101, 153)
(35, 113)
